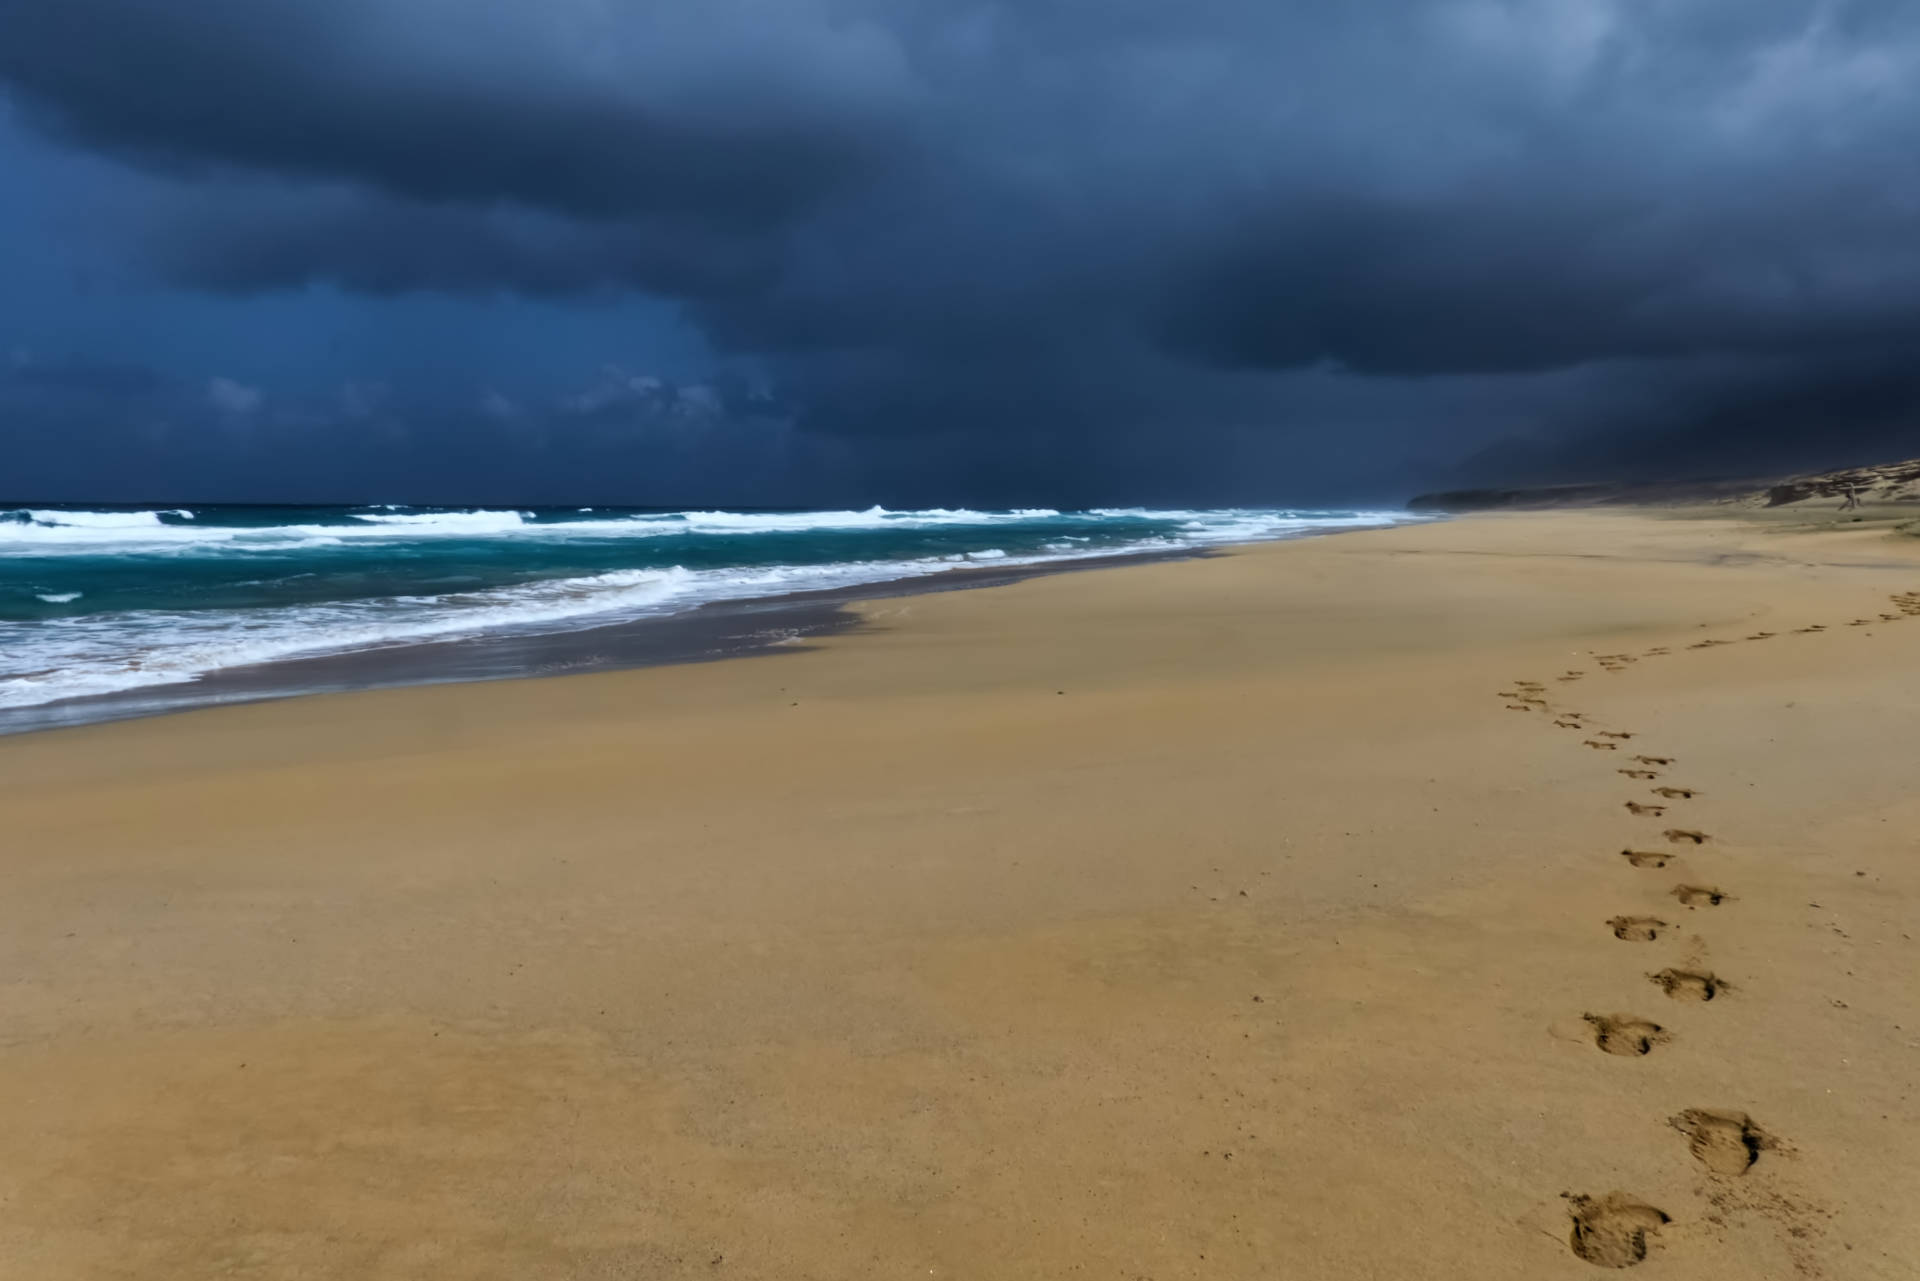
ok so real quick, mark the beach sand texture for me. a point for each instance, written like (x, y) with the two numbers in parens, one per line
(1425, 903)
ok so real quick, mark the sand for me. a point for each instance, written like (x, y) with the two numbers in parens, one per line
(1243, 917)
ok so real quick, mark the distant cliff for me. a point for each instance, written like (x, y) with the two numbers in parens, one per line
(1881, 483)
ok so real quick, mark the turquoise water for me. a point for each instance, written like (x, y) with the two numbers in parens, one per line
(96, 600)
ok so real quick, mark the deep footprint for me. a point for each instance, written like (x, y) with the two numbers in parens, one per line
(1637, 929)
(1679, 834)
(1639, 773)
(1598, 746)
(1700, 895)
(1727, 1143)
(1627, 1035)
(1645, 858)
(1689, 985)
(1635, 807)
(1611, 1231)
(1654, 760)
(1675, 793)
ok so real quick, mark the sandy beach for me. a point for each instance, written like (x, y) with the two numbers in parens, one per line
(1426, 902)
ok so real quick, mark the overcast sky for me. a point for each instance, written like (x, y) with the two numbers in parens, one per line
(913, 251)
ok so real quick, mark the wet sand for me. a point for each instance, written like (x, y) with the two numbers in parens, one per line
(1277, 914)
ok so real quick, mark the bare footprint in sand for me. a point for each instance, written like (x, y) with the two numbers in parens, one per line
(1598, 746)
(1637, 929)
(1686, 835)
(1657, 651)
(1701, 895)
(1611, 1231)
(1566, 724)
(1639, 773)
(1761, 636)
(1626, 1035)
(1727, 1143)
(1645, 858)
(1613, 733)
(1635, 807)
(1675, 793)
(1689, 985)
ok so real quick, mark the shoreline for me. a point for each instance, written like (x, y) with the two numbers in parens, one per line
(708, 632)
(1303, 909)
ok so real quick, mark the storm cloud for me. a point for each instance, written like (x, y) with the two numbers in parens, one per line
(1116, 244)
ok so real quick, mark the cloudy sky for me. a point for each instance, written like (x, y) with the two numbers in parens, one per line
(911, 251)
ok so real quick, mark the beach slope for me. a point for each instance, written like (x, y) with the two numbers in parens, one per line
(1426, 902)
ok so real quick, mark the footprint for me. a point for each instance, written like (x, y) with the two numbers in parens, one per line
(1599, 746)
(1675, 793)
(1679, 834)
(1645, 858)
(1658, 650)
(1761, 636)
(1611, 1231)
(1613, 733)
(1635, 807)
(1637, 929)
(1689, 985)
(1625, 1034)
(1654, 760)
(1727, 1143)
(1518, 707)
(1639, 773)
(1566, 724)
(1701, 895)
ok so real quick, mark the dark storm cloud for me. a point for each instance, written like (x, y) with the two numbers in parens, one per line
(246, 239)
(1348, 225)
(591, 109)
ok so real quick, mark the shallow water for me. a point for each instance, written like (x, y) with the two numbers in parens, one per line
(102, 600)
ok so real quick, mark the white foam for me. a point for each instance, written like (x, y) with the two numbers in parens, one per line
(872, 518)
(96, 520)
(58, 598)
(104, 653)
(471, 522)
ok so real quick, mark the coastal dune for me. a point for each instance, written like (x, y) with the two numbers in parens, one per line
(1422, 902)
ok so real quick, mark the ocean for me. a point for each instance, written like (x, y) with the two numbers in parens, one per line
(99, 601)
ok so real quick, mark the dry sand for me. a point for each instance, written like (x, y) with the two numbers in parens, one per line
(1238, 918)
